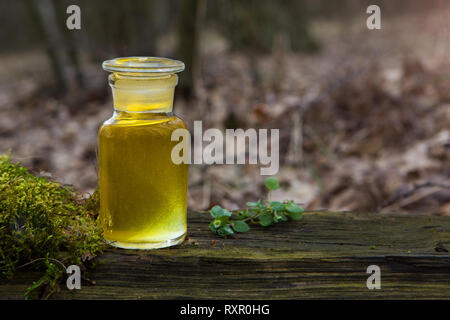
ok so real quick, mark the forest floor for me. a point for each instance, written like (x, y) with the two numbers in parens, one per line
(362, 122)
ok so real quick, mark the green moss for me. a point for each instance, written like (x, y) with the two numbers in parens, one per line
(43, 225)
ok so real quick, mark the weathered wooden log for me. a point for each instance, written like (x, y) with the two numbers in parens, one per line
(325, 255)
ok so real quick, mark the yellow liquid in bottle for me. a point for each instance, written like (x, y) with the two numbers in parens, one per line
(142, 192)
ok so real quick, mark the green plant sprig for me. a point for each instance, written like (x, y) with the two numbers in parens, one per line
(262, 212)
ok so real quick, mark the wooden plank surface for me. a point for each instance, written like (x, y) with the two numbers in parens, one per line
(325, 255)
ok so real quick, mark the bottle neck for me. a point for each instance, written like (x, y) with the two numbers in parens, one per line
(140, 93)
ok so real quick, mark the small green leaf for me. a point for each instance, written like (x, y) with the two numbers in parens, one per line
(218, 211)
(226, 213)
(265, 220)
(244, 214)
(225, 231)
(241, 226)
(212, 227)
(261, 204)
(277, 217)
(252, 204)
(228, 230)
(217, 223)
(296, 216)
(276, 205)
(271, 183)
(221, 232)
(293, 208)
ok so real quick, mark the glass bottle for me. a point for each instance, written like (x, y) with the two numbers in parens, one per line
(143, 193)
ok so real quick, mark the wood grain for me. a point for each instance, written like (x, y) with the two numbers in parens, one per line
(325, 255)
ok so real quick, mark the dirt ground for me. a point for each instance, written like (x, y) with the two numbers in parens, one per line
(364, 123)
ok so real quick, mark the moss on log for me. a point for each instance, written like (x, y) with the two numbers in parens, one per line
(325, 255)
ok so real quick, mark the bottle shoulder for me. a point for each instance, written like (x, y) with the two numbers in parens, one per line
(150, 126)
(143, 119)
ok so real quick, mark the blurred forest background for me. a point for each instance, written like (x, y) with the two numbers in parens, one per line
(364, 115)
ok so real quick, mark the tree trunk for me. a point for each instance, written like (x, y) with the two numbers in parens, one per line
(43, 14)
(189, 32)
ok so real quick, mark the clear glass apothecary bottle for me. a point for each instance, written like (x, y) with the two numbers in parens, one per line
(142, 192)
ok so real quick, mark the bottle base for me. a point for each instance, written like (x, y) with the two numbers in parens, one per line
(147, 245)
